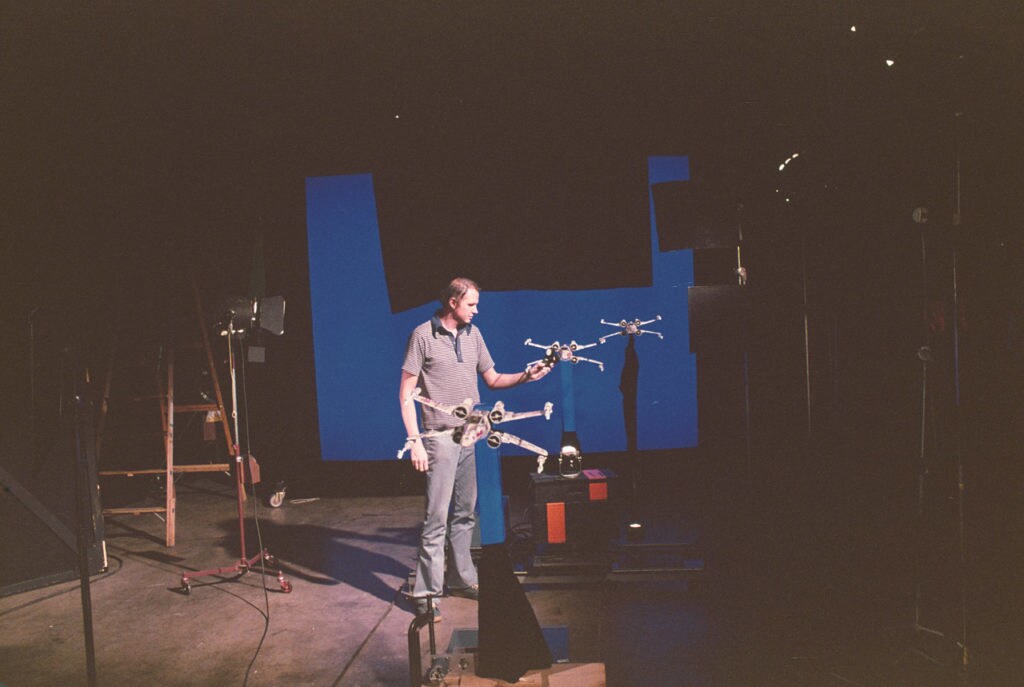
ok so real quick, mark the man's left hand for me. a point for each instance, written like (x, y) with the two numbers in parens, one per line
(538, 371)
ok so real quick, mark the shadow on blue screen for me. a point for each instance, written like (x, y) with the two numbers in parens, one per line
(359, 343)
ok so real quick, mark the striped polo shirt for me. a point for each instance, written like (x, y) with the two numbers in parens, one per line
(447, 367)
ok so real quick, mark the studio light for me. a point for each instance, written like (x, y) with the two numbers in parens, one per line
(240, 314)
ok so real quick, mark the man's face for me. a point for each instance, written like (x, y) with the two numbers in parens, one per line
(464, 310)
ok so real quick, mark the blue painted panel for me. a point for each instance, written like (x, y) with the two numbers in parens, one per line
(359, 343)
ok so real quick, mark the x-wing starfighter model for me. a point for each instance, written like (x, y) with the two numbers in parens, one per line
(478, 424)
(559, 352)
(634, 327)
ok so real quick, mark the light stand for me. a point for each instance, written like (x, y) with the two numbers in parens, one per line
(925, 355)
(741, 280)
(957, 410)
(243, 565)
(83, 510)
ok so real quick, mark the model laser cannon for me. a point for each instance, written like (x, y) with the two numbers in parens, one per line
(635, 327)
(478, 424)
(565, 353)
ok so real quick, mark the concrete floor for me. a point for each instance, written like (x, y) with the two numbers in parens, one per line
(344, 623)
(750, 618)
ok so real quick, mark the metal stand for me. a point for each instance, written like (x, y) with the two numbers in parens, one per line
(82, 511)
(962, 644)
(439, 665)
(924, 354)
(741, 280)
(244, 564)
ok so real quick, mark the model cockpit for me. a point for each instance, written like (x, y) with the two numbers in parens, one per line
(634, 327)
(478, 424)
(566, 353)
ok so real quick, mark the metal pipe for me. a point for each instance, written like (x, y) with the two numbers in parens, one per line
(82, 511)
(415, 660)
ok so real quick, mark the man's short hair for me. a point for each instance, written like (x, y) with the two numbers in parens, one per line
(456, 289)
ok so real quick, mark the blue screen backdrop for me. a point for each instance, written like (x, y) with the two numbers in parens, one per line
(359, 343)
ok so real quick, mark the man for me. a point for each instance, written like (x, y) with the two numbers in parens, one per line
(444, 356)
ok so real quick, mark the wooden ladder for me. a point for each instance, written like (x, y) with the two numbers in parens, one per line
(168, 410)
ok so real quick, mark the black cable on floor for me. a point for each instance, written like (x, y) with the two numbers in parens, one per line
(259, 533)
(263, 637)
(263, 577)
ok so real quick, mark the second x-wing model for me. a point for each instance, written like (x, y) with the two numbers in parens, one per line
(634, 327)
(566, 353)
(478, 424)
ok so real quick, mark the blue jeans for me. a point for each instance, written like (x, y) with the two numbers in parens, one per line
(451, 499)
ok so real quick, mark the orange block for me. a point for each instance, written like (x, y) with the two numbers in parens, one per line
(556, 523)
(598, 491)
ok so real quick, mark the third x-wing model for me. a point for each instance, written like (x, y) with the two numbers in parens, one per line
(627, 327)
(478, 424)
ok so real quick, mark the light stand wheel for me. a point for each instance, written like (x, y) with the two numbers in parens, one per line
(277, 497)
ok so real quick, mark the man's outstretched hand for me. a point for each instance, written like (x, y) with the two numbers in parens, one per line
(538, 371)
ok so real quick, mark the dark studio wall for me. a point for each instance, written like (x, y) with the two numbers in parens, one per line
(147, 141)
